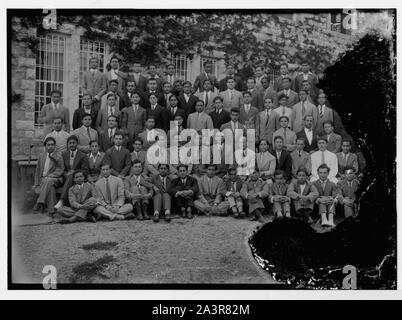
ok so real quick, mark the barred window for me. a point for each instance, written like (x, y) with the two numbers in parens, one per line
(50, 61)
(181, 63)
(212, 60)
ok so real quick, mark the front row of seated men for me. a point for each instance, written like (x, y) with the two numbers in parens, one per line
(117, 190)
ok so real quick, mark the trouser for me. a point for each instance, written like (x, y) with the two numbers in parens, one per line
(349, 210)
(282, 208)
(162, 200)
(184, 202)
(323, 208)
(47, 193)
(82, 213)
(67, 185)
(210, 208)
(103, 212)
(235, 202)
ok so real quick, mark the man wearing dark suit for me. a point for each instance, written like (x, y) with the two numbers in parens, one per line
(163, 100)
(268, 92)
(106, 136)
(187, 100)
(219, 116)
(125, 99)
(283, 158)
(256, 96)
(173, 109)
(73, 159)
(110, 110)
(170, 76)
(231, 73)
(292, 96)
(138, 78)
(87, 108)
(115, 74)
(162, 199)
(133, 118)
(95, 159)
(306, 75)
(308, 134)
(284, 71)
(160, 114)
(152, 89)
(206, 75)
(94, 82)
(184, 189)
(118, 157)
(153, 73)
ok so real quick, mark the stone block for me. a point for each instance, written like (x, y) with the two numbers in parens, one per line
(26, 62)
(28, 84)
(29, 134)
(24, 125)
(30, 74)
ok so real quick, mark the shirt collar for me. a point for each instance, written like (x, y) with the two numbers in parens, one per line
(92, 156)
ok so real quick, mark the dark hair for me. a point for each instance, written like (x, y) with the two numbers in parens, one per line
(92, 142)
(235, 110)
(111, 95)
(217, 98)
(113, 81)
(58, 118)
(199, 100)
(114, 57)
(284, 64)
(301, 139)
(172, 96)
(150, 117)
(278, 137)
(302, 169)
(55, 91)
(118, 133)
(72, 137)
(152, 94)
(163, 164)
(349, 168)
(347, 140)
(247, 93)
(323, 166)
(232, 169)
(328, 121)
(279, 172)
(86, 94)
(282, 96)
(80, 171)
(212, 165)
(151, 79)
(206, 62)
(230, 78)
(137, 161)
(139, 140)
(283, 117)
(207, 80)
(302, 90)
(286, 78)
(112, 116)
(49, 139)
(322, 139)
(187, 82)
(182, 165)
(84, 116)
(251, 78)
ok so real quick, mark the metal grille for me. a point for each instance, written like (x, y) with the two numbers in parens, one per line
(181, 63)
(50, 61)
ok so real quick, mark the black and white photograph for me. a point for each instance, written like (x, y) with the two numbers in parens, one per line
(201, 148)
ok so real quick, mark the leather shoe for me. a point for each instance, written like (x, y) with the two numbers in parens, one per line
(156, 218)
(167, 217)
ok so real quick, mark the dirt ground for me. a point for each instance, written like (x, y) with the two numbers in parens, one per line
(201, 250)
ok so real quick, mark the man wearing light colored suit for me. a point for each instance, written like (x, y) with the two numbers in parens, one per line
(199, 120)
(324, 113)
(133, 118)
(302, 109)
(115, 74)
(94, 82)
(111, 109)
(289, 136)
(48, 175)
(265, 161)
(85, 134)
(300, 158)
(268, 92)
(231, 97)
(110, 196)
(266, 122)
(54, 110)
(292, 96)
(346, 159)
(207, 96)
(162, 198)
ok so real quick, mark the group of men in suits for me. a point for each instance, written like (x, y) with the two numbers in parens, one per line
(114, 127)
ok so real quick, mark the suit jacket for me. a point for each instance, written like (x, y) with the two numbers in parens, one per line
(147, 93)
(235, 102)
(132, 186)
(125, 100)
(104, 140)
(284, 163)
(205, 121)
(122, 77)
(188, 107)
(331, 189)
(276, 189)
(144, 137)
(94, 84)
(293, 98)
(95, 166)
(77, 196)
(249, 120)
(256, 99)
(120, 161)
(288, 113)
(133, 122)
(208, 107)
(80, 161)
(269, 93)
(311, 78)
(103, 114)
(177, 185)
(334, 143)
(80, 113)
(348, 190)
(210, 190)
(302, 161)
(56, 167)
(199, 82)
(84, 139)
(266, 125)
(350, 161)
(116, 191)
(47, 115)
(162, 101)
(308, 147)
(239, 86)
(310, 191)
(297, 115)
(228, 125)
(278, 83)
(289, 141)
(330, 160)
(157, 182)
(218, 119)
(161, 117)
(229, 186)
(141, 156)
(103, 103)
(179, 111)
(140, 83)
(266, 163)
(328, 115)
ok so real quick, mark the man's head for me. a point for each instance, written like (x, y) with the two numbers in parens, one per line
(208, 67)
(283, 69)
(265, 82)
(303, 95)
(230, 70)
(137, 167)
(118, 138)
(137, 67)
(170, 69)
(167, 88)
(207, 85)
(112, 122)
(301, 175)
(234, 114)
(259, 71)
(105, 170)
(87, 120)
(284, 121)
(278, 142)
(322, 99)
(211, 169)
(79, 177)
(93, 63)
(322, 143)
(173, 101)
(137, 144)
(323, 172)
(328, 127)
(283, 100)
(268, 103)
(300, 144)
(114, 62)
(305, 67)
(178, 86)
(218, 103)
(163, 169)
(247, 97)
(350, 173)
(150, 123)
(131, 86)
(55, 96)
(153, 99)
(182, 171)
(263, 146)
(199, 106)
(255, 175)
(346, 145)
(86, 100)
(152, 70)
(306, 86)
(232, 174)
(94, 145)
(179, 119)
(111, 99)
(308, 121)
(230, 83)
(187, 87)
(286, 83)
(250, 83)
(50, 144)
(135, 98)
(113, 85)
(57, 124)
(279, 176)
(152, 84)
(72, 143)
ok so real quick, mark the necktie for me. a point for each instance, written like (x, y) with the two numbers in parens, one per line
(183, 181)
(299, 154)
(322, 157)
(72, 159)
(230, 95)
(111, 111)
(108, 192)
(206, 98)
(284, 134)
(164, 182)
(321, 113)
(209, 186)
(72, 154)
(110, 135)
(303, 109)
(47, 165)
(89, 134)
(283, 111)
